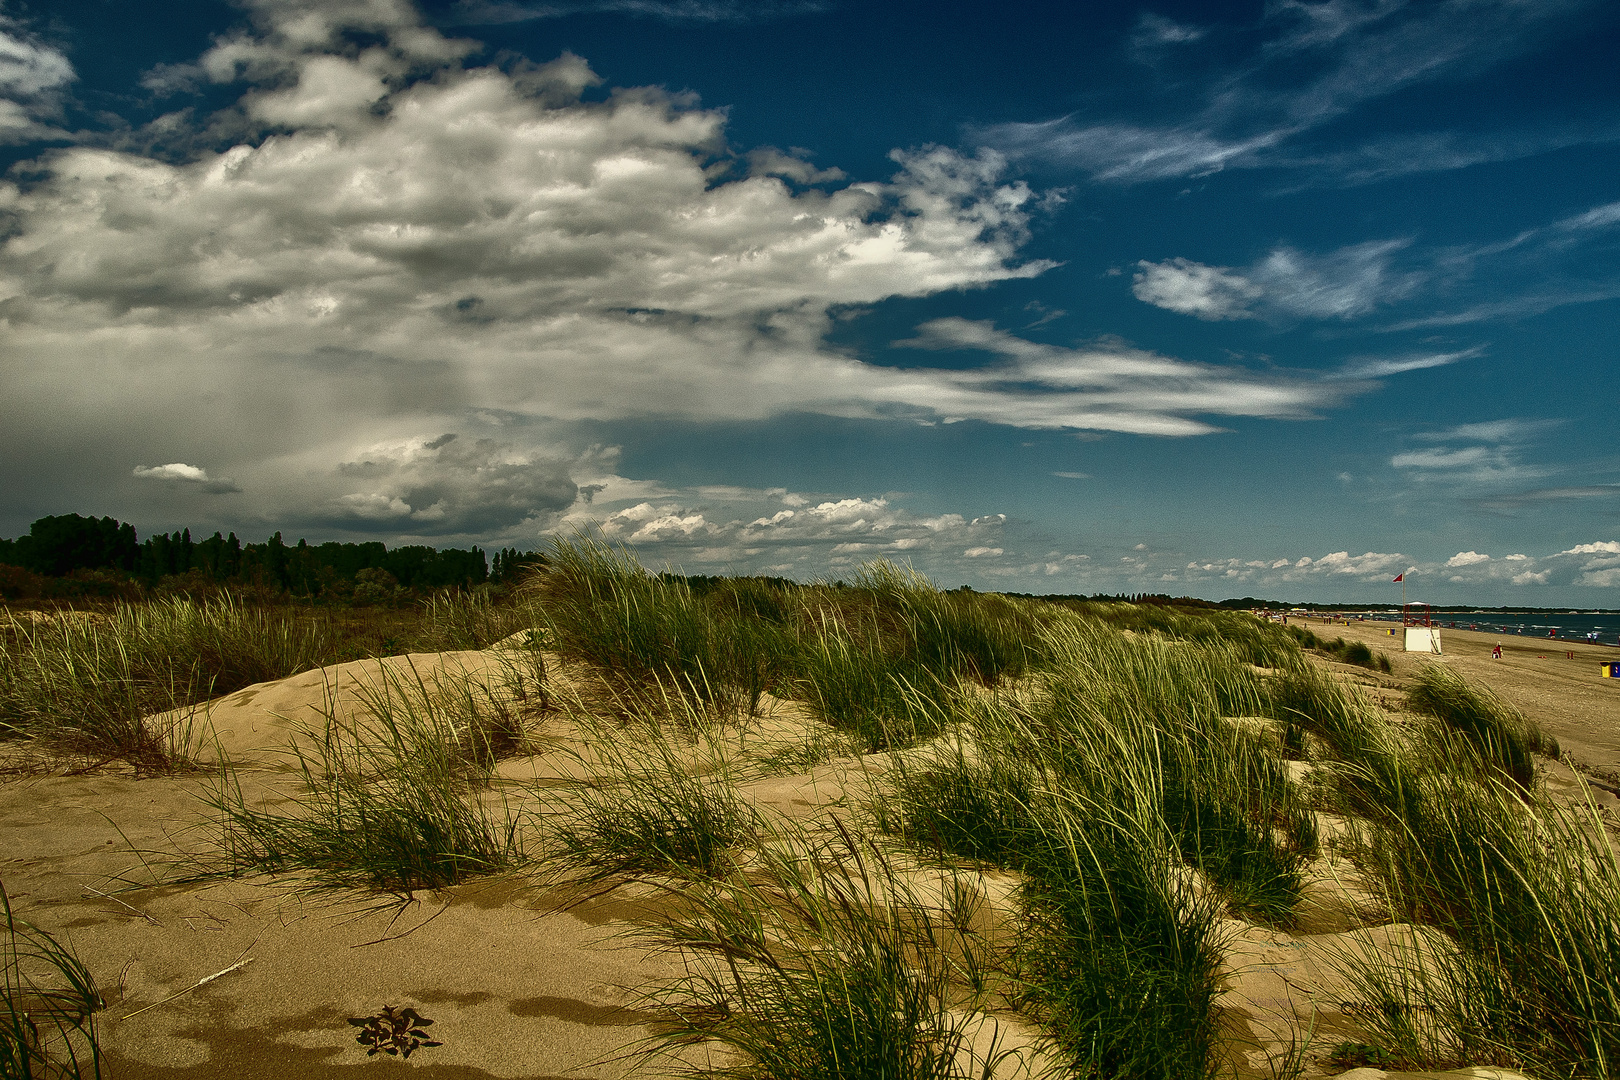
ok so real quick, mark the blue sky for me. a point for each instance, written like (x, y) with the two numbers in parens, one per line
(1273, 299)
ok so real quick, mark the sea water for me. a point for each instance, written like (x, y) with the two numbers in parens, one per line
(1602, 628)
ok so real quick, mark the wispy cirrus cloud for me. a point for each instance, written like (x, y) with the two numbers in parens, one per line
(1509, 430)
(1106, 387)
(1256, 112)
(1486, 453)
(1122, 152)
(1154, 32)
(1359, 280)
(1401, 154)
(1379, 367)
(1514, 501)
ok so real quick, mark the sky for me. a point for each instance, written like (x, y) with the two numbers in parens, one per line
(1274, 299)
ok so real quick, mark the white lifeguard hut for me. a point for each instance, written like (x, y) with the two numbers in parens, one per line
(1422, 635)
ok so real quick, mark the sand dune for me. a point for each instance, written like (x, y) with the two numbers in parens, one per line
(514, 986)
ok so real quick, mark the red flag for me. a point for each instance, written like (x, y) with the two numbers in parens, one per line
(1400, 575)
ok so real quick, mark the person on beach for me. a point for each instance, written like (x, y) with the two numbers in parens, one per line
(1496, 652)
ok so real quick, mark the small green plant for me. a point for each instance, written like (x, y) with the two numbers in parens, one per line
(1351, 1055)
(48, 1002)
(394, 1030)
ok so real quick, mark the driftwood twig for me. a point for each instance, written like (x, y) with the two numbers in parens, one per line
(204, 981)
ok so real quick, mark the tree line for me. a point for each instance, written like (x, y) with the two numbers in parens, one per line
(91, 550)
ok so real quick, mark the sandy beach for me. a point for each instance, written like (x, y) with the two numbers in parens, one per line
(1555, 683)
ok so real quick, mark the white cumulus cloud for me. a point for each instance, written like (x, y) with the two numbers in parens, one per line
(448, 486)
(28, 68)
(180, 473)
(401, 243)
(1287, 283)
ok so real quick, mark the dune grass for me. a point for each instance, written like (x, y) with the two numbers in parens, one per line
(983, 637)
(83, 684)
(1349, 652)
(390, 797)
(1264, 644)
(1525, 970)
(1136, 813)
(1137, 784)
(649, 633)
(470, 619)
(1515, 959)
(48, 1002)
(1496, 730)
(881, 659)
(655, 799)
(879, 696)
(823, 961)
(860, 656)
